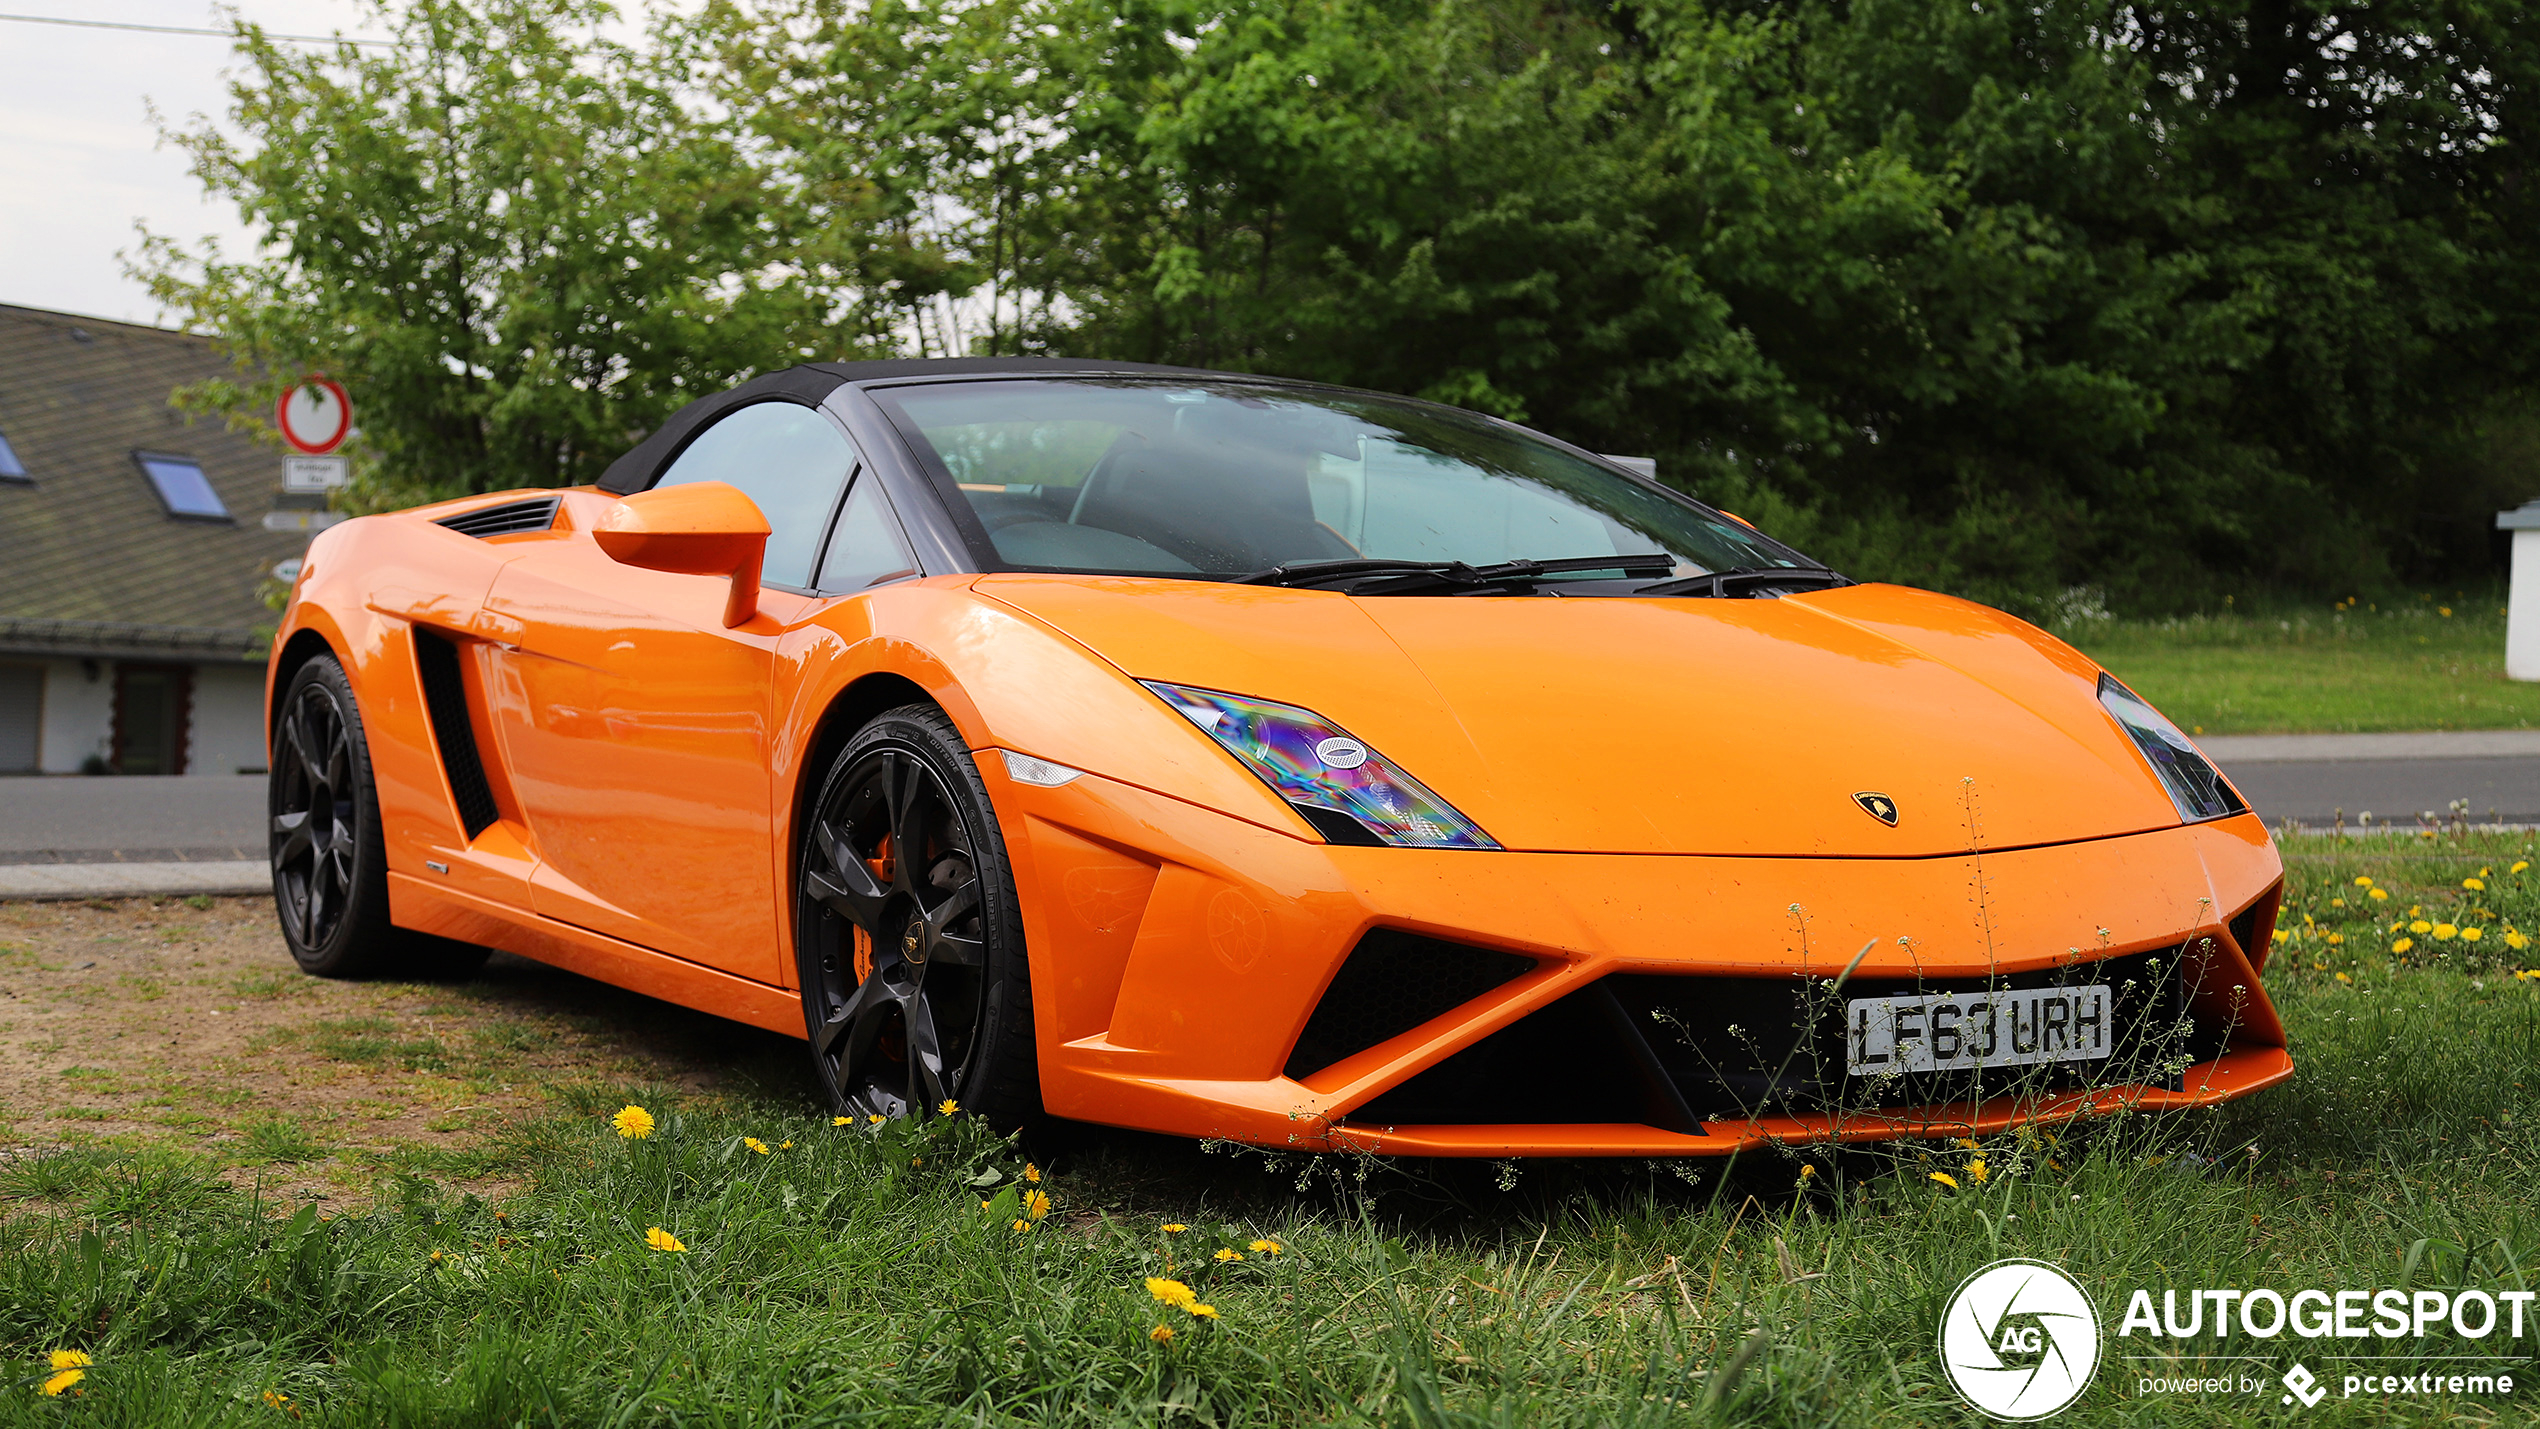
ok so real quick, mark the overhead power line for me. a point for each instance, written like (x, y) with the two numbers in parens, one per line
(185, 30)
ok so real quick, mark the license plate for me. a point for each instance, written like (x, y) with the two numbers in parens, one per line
(1966, 1031)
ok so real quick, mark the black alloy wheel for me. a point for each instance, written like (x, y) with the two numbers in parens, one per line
(916, 992)
(315, 822)
(330, 865)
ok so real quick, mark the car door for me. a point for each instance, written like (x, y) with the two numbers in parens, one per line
(637, 728)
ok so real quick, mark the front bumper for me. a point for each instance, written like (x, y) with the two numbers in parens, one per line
(1178, 955)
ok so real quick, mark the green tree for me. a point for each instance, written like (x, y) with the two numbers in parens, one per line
(519, 244)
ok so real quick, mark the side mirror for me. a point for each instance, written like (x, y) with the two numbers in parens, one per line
(704, 528)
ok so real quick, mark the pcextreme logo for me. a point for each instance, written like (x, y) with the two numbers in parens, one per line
(2019, 1340)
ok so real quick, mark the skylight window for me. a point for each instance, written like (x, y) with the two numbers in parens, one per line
(11, 469)
(182, 485)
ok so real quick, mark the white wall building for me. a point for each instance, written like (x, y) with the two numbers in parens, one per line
(132, 543)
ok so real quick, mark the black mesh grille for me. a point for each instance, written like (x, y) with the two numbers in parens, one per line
(510, 518)
(1730, 1048)
(1393, 982)
(445, 696)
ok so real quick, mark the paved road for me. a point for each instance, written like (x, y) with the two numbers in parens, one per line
(144, 823)
(142, 819)
(2308, 778)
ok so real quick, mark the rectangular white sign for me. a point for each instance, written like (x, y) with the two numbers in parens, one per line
(1964, 1031)
(314, 473)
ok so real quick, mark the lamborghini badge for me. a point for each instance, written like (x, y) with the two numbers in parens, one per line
(1877, 806)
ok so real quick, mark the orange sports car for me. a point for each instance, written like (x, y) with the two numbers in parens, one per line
(1254, 759)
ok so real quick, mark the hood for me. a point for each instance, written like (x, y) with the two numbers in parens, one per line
(1604, 725)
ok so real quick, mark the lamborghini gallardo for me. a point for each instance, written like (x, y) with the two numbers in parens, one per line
(1252, 759)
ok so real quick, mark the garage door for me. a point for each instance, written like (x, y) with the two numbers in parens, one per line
(21, 715)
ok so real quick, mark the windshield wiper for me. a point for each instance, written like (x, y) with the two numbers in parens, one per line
(1369, 577)
(1749, 580)
(1305, 574)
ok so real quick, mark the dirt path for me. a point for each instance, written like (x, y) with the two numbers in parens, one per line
(137, 1024)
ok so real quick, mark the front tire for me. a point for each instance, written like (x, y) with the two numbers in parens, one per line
(330, 864)
(909, 935)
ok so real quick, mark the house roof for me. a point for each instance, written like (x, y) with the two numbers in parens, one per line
(94, 564)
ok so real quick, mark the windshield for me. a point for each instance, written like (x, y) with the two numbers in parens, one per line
(1226, 478)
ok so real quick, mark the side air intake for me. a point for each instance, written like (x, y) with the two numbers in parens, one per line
(1393, 982)
(445, 697)
(509, 519)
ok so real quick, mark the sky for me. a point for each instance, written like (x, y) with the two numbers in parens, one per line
(80, 160)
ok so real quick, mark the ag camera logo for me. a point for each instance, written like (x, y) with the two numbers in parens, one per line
(2019, 1340)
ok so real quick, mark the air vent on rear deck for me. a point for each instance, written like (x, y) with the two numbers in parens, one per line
(509, 519)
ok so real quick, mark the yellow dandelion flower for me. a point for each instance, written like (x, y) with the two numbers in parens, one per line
(1036, 1204)
(2362, 882)
(1031, 1173)
(2336, 939)
(1228, 1253)
(276, 1399)
(2337, 903)
(1161, 1334)
(436, 1257)
(2472, 935)
(69, 1368)
(1968, 1142)
(64, 1380)
(841, 1120)
(2443, 610)
(2377, 894)
(1202, 1312)
(1266, 1246)
(660, 1239)
(876, 1118)
(947, 1107)
(1806, 1171)
(2403, 945)
(2280, 936)
(2519, 865)
(755, 1144)
(1022, 1226)
(2341, 977)
(1174, 1227)
(1977, 1170)
(2420, 926)
(2445, 932)
(1945, 1179)
(633, 1122)
(1171, 1292)
(2474, 885)
(2516, 941)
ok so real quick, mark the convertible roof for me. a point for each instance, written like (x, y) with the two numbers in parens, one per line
(812, 382)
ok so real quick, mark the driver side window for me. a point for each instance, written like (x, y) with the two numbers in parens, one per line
(790, 460)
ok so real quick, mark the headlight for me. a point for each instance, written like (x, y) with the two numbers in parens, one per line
(2194, 787)
(1348, 792)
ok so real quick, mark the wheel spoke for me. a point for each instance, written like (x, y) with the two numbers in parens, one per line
(293, 830)
(862, 1010)
(908, 786)
(846, 887)
(926, 1087)
(959, 949)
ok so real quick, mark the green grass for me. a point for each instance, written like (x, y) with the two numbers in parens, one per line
(853, 1277)
(2322, 671)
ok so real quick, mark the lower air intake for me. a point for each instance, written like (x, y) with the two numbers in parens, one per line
(1393, 982)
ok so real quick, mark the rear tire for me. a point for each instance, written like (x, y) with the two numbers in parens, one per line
(916, 989)
(330, 863)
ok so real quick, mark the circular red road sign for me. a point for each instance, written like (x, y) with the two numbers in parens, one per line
(314, 416)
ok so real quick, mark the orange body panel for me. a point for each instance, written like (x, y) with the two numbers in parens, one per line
(1671, 781)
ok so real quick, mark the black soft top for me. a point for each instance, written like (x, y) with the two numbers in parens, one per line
(811, 383)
